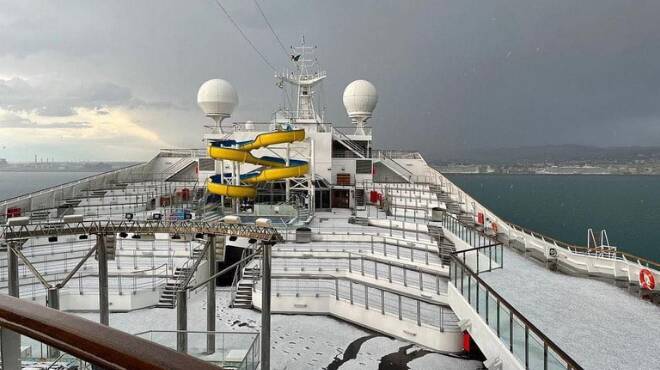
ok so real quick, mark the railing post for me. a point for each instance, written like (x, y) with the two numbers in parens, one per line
(11, 341)
(53, 301)
(102, 256)
(265, 306)
(181, 321)
(210, 297)
(350, 291)
(382, 301)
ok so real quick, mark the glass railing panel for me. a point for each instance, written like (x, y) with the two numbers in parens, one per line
(430, 314)
(483, 302)
(391, 304)
(535, 351)
(473, 292)
(492, 312)
(465, 281)
(519, 340)
(555, 362)
(409, 308)
(37, 355)
(375, 299)
(505, 326)
(231, 349)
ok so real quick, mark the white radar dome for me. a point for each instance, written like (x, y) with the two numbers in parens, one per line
(217, 98)
(360, 99)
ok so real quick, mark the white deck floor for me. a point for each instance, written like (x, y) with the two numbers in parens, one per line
(598, 324)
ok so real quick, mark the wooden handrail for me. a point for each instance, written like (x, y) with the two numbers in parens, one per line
(97, 344)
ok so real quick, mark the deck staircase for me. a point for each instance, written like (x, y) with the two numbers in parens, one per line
(303, 214)
(349, 144)
(168, 295)
(445, 246)
(177, 167)
(42, 215)
(359, 198)
(363, 221)
(67, 208)
(397, 168)
(244, 288)
(453, 205)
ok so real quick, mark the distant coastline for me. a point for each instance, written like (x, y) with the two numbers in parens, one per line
(545, 169)
(547, 174)
(40, 170)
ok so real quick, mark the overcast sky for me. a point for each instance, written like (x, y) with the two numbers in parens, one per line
(117, 80)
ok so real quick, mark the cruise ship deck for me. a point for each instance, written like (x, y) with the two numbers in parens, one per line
(297, 244)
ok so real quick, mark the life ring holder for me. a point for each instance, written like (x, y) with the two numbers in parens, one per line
(646, 279)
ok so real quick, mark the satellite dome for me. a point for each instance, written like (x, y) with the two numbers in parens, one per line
(217, 98)
(360, 99)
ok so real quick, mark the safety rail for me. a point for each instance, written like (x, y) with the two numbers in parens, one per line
(411, 275)
(439, 179)
(96, 202)
(399, 169)
(525, 341)
(493, 257)
(469, 234)
(88, 341)
(345, 140)
(418, 309)
(583, 250)
(87, 281)
(397, 154)
(413, 252)
(193, 153)
(227, 344)
(350, 130)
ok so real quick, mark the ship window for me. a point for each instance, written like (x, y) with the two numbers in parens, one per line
(206, 164)
(363, 166)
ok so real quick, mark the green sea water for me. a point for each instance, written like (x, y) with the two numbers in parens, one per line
(565, 206)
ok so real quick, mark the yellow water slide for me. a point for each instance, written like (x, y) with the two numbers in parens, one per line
(273, 168)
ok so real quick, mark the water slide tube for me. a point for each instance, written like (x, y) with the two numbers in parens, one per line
(272, 168)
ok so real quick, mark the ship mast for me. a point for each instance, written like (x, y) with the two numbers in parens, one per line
(304, 79)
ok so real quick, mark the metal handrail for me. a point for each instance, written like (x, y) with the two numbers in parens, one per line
(66, 184)
(548, 343)
(445, 324)
(620, 255)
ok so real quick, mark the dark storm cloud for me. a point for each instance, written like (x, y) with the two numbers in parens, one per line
(454, 75)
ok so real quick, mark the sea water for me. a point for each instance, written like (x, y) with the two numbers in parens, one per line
(17, 183)
(565, 206)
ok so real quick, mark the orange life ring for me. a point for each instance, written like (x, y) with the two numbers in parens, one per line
(646, 279)
(494, 227)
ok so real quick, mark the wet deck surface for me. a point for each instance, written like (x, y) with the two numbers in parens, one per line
(600, 325)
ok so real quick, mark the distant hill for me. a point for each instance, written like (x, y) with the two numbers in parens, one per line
(556, 153)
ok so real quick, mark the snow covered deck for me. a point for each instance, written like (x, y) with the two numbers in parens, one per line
(600, 325)
(298, 341)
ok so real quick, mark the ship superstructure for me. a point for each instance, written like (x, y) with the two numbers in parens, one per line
(331, 225)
